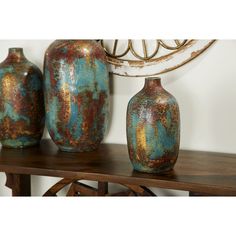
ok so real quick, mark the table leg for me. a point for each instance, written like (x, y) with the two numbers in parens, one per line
(102, 188)
(20, 184)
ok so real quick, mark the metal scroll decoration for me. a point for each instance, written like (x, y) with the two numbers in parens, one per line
(76, 189)
(131, 58)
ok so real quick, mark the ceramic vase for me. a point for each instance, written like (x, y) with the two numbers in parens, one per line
(153, 128)
(76, 88)
(21, 101)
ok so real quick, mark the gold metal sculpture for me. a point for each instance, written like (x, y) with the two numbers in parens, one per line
(130, 48)
(132, 63)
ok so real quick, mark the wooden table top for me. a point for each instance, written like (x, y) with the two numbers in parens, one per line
(204, 172)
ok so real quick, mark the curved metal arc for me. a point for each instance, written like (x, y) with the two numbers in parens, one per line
(141, 63)
(130, 48)
(76, 188)
(177, 42)
(114, 50)
(128, 64)
(59, 186)
(145, 57)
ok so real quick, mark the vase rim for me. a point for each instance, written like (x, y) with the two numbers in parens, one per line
(16, 49)
(152, 78)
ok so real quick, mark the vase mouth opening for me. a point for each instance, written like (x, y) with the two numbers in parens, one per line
(152, 78)
(15, 49)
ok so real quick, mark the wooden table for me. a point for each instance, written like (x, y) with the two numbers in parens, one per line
(200, 173)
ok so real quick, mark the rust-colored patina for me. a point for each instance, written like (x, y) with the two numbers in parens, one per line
(153, 128)
(76, 88)
(21, 101)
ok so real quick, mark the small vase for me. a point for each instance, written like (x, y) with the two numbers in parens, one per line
(76, 88)
(21, 101)
(153, 128)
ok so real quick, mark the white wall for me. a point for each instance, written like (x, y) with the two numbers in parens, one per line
(205, 90)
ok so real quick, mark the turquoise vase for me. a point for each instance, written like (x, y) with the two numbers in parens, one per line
(21, 101)
(76, 88)
(153, 128)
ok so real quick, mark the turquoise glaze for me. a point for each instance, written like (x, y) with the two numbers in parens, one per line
(21, 101)
(76, 88)
(153, 128)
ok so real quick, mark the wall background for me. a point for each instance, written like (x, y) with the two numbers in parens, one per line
(204, 88)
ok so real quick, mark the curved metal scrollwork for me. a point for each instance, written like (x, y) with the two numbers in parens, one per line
(141, 61)
(130, 48)
(76, 188)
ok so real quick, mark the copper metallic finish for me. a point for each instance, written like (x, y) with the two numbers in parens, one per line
(21, 101)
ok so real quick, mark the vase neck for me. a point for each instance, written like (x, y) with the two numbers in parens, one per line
(152, 85)
(15, 55)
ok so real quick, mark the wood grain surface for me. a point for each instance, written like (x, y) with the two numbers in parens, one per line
(202, 172)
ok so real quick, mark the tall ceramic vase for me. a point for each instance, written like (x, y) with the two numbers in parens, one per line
(76, 91)
(153, 128)
(21, 101)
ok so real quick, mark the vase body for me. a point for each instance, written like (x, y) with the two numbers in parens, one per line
(153, 128)
(21, 101)
(76, 88)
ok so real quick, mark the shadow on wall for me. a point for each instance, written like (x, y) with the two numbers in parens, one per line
(210, 83)
(222, 111)
(111, 87)
(222, 99)
(188, 96)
